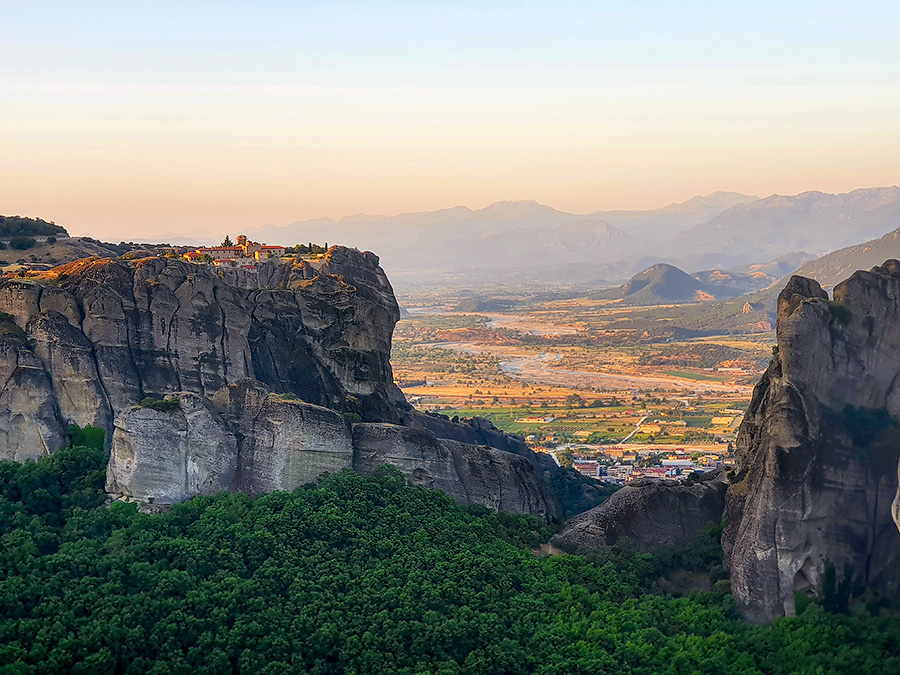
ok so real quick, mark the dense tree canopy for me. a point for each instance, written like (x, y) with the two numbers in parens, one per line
(359, 575)
(20, 226)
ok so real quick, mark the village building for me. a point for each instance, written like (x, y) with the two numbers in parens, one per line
(244, 250)
(587, 467)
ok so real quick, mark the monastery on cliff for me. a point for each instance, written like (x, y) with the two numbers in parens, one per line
(243, 252)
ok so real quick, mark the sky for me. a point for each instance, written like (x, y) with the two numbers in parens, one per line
(124, 120)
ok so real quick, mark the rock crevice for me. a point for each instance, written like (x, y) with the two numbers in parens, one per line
(263, 366)
(818, 449)
(271, 443)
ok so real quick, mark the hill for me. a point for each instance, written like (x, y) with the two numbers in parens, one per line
(662, 284)
(834, 267)
(20, 226)
(756, 310)
(45, 254)
(778, 268)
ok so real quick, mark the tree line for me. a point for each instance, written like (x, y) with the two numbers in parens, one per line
(356, 574)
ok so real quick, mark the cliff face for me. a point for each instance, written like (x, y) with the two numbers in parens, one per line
(263, 364)
(652, 515)
(247, 438)
(818, 450)
(97, 336)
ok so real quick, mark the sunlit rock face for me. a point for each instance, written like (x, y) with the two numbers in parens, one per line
(817, 453)
(283, 444)
(249, 439)
(96, 336)
(264, 364)
(164, 457)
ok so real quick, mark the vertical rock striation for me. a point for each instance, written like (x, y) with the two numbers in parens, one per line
(818, 450)
(164, 457)
(263, 364)
(97, 336)
(268, 443)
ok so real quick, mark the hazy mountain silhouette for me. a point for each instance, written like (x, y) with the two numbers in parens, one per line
(811, 221)
(505, 234)
(525, 239)
(663, 284)
(838, 265)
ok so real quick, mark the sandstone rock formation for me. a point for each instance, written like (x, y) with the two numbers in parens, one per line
(471, 474)
(651, 514)
(818, 450)
(96, 336)
(247, 438)
(166, 457)
(263, 364)
(283, 443)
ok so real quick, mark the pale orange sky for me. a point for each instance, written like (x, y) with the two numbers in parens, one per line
(217, 128)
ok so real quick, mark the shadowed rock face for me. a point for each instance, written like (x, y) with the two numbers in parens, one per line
(651, 514)
(266, 443)
(818, 450)
(263, 365)
(97, 336)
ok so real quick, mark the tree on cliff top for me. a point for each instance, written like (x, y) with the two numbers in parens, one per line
(20, 226)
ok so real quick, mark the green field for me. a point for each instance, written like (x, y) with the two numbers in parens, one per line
(694, 376)
(505, 417)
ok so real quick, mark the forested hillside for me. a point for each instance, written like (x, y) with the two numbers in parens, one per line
(358, 575)
(20, 226)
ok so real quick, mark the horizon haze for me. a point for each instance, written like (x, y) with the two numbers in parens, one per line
(128, 121)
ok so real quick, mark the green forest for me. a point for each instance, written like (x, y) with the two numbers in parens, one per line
(360, 574)
(20, 226)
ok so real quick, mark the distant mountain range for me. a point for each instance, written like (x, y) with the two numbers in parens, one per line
(839, 265)
(509, 236)
(525, 240)
(769, 228)
(669, 221)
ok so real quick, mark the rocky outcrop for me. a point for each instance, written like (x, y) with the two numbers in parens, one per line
(102, 334)
(283, 443)
(249, 439)
(29, 415)
(818, 449)
(471, 474)
(164, 457)
(263, 364)
(651, 514)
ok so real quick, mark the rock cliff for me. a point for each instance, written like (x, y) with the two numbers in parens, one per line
(266, 442)
(651, 514)
(818, 449)
(97, 336)
(262, 363)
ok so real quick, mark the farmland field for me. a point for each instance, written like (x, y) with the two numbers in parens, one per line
(562, 370)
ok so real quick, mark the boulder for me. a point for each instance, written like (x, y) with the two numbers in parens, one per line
(651, 514)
